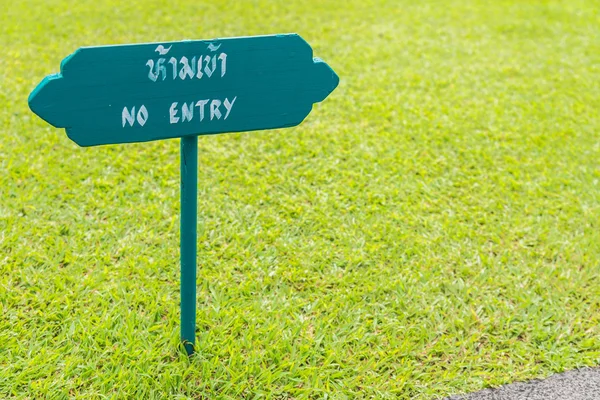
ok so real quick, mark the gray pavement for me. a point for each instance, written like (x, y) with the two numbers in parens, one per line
(582, 384)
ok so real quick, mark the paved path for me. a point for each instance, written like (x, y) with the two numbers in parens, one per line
(583, 384)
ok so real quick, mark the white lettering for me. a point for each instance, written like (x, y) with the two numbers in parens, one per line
(200, 104)
(160, 49)
(186, 69)
(187, 112)
(207, 70)
(214, 109)
(173, 118)
(205, 106)
(127, 116)
(160, 68)
(153, 77)
(199, 74)
(196, 68)
(173, 62)
(223, 58)
(228, 106)
(142, 115)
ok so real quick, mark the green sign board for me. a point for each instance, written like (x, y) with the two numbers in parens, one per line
(142, 92)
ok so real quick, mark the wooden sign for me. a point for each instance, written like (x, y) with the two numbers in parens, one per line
(142, 92)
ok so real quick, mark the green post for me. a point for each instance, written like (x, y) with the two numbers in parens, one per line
(188, 239)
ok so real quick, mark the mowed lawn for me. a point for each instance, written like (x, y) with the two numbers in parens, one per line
(432, 228)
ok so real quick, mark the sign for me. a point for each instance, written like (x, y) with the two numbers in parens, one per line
(142, 92)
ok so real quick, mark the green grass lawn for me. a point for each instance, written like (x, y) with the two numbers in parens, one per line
(432, 228)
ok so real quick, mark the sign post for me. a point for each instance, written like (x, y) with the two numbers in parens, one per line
(188, 239)
(142, 92)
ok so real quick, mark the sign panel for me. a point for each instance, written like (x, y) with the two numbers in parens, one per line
(143, 92)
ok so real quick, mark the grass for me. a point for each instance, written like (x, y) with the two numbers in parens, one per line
(432, 228)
